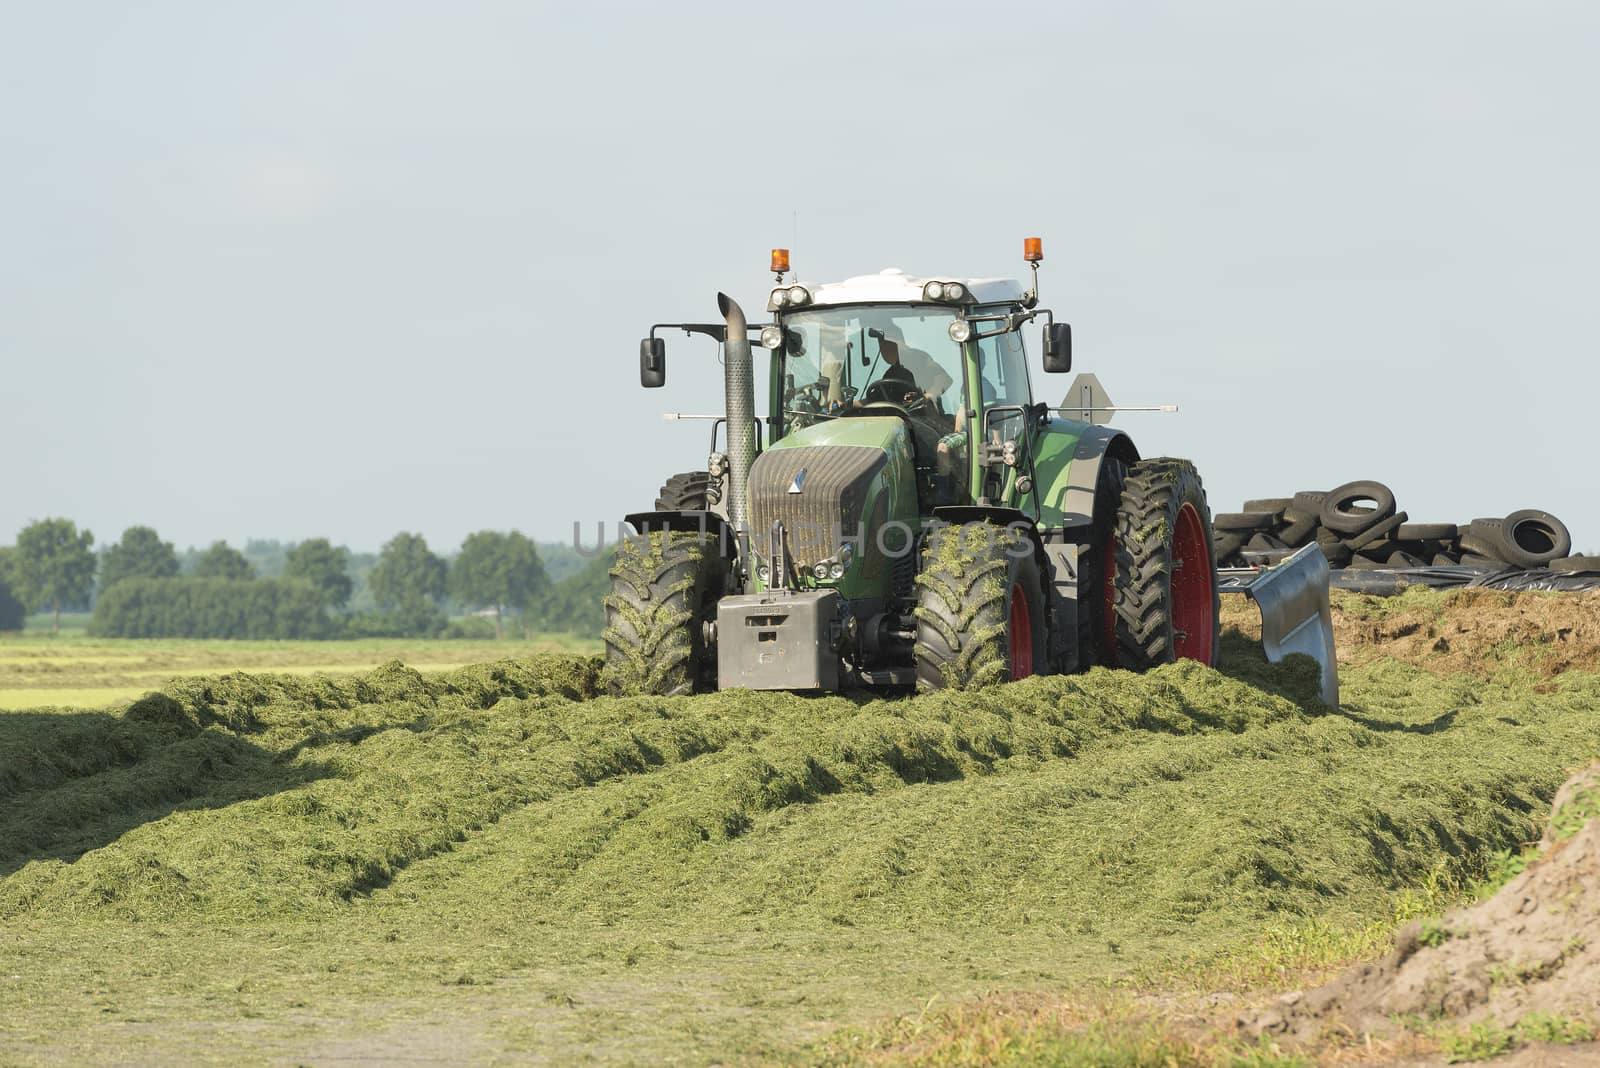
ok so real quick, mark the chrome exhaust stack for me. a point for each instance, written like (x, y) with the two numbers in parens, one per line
(738, 373)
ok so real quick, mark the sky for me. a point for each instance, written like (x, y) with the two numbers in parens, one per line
(345, 269)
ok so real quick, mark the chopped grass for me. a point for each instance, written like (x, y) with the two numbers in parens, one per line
(494, 853)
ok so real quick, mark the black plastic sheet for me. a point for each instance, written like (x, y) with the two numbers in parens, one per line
(1539, 580)
(1385, 583)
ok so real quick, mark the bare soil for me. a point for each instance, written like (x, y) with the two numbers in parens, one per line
(1474, 632)
(1534, 947)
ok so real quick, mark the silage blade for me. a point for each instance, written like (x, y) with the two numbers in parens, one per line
(1295, 614)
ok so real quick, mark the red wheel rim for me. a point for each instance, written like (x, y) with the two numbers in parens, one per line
(1193, 624)
(1021, 634)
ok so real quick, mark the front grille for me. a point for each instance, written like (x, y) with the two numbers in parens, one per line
(828, 506)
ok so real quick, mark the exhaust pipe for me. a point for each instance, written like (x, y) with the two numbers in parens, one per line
(738, 376)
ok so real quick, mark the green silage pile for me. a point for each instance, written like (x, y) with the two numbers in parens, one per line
(1170, 809)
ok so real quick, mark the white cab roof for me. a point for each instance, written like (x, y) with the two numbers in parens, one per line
(893, 285)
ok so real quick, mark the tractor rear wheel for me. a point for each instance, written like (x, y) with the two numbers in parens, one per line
(1096, 632)
(1164, 591)
(664, 590)
(980, 609)
(688, 492)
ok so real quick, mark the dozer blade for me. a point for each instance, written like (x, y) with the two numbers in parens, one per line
(1295, 614)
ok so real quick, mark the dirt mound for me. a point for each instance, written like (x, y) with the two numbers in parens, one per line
(1525, 959)
(1458, 631)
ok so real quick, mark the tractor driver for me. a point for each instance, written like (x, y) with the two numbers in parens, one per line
(897, 384)
(933, 427)
(916, 367)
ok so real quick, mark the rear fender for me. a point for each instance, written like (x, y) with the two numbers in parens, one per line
(1067, 466)
(1068, 458)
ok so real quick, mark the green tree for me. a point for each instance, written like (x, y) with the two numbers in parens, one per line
(498, 571)
(324, 566)
(191, 607)
(140, 554)
(408, 582)
(53, 564)
(223, 561)
(12, 612)
(576, 603)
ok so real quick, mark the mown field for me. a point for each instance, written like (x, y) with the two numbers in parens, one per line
(492, 864)
(72, 670)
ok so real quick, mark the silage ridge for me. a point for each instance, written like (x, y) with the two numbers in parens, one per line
(70, 818)
(247, 703)
(383, 799)
(61, 755)
(1168, 835)
(42, 751)
(795, 751)
(390, 798)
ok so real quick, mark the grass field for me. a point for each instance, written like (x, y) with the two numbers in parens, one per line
(72, 670)
(493, 864)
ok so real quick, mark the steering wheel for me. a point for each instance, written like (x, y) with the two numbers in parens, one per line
(884, 391)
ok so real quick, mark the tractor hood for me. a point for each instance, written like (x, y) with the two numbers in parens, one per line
(827, 482)
(874, 431)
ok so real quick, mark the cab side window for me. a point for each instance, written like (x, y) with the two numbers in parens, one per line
(1004, 369)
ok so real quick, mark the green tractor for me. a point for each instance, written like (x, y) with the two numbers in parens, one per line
(907, 514)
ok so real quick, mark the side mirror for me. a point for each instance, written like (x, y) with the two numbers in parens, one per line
(652, 363)
(1058, 348)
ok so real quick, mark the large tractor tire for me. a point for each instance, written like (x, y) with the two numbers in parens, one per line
(688, 492)
(664, 589)
(980, 609)
(1096, 643)
(1163, 593)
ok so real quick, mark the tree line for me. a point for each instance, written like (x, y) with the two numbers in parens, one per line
(139, 590)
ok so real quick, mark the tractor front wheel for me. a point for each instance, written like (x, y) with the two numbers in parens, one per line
(664, 590)
(980, 609)
(1163, 591)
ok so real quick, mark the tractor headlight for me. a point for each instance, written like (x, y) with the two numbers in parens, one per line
(960, 331)
(779, 298)
(717, 464)
(955, 291)
(799, 295)
(763, 573)
(836, 571)
(933, 291)
(772, 337)
(821, 570)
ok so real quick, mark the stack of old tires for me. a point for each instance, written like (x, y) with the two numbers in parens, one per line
(1359, 527)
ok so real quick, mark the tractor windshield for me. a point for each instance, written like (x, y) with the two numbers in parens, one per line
(870, 353)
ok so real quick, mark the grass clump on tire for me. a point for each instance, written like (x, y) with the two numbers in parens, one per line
(664, 588)
(980, 609)
(1164, 592)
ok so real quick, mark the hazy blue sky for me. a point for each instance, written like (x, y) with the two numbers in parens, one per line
(297, 269)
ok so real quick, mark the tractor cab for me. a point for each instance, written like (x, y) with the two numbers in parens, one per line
(896, 346)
